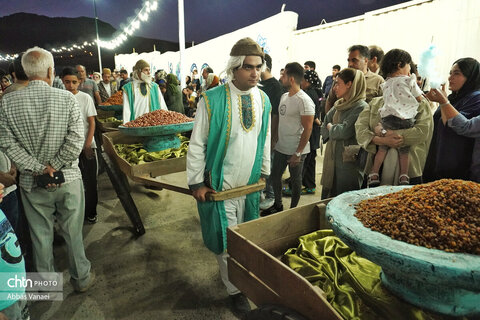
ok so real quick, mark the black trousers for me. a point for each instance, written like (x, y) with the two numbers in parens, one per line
(308, 174)
(88, 167)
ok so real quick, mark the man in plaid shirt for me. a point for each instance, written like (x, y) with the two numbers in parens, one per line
(41, 131)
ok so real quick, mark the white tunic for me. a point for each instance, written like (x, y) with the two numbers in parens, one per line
(240, 154)
(141, 102)
(399, 97)
(87, 108)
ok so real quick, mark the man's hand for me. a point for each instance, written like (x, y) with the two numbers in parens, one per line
(2, 315)
(378, 129)
(7, 179)
(1, 198)
(393, 140)
(13, 171)
(89, 153)
(293, 161)
(200, 193)
(49, 170)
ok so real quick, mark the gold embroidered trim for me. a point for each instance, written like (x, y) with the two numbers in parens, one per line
(207, 105)
(229, 115)
(241, 113)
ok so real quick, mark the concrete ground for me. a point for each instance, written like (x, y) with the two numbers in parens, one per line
(165, 274)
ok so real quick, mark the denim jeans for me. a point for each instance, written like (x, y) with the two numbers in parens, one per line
(278, 167)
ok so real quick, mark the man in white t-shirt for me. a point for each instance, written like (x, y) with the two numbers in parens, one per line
(87, 159)
(296, 112)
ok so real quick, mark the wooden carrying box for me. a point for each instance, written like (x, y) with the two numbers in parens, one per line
(151, 169)
(255, 268)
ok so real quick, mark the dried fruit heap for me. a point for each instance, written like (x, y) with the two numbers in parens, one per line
(115, 100)
(444, 215)
(158, 118)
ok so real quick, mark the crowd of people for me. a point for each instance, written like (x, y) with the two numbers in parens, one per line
(378, 125)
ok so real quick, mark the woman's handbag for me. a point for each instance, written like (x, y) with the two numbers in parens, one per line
(355, 153)
(350, 152)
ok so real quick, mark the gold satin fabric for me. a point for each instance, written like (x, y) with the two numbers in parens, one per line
(352, 284)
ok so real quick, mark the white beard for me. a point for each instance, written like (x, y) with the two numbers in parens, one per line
(145, 78)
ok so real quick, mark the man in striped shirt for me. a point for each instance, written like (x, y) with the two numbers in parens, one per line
(41, 131)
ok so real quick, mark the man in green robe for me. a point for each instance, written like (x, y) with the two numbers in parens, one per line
(230, 148)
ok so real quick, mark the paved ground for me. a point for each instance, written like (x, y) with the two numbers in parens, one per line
(165, 274)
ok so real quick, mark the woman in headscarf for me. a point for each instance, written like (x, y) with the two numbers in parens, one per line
(4, 83)
(212, 81)
(454, 153)
(173, 96)
(339, 130)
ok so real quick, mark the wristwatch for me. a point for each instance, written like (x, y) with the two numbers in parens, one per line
(383, 133)
(298, 154)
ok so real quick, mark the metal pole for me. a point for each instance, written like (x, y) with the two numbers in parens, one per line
(181, 40)
(98, 38)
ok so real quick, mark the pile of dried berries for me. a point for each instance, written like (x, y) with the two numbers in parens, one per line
(114, 100)
(443, 214)
(158, 118)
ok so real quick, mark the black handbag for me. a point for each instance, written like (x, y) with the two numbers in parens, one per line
(361, 160)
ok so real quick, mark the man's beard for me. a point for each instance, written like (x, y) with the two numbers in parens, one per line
(145, 78)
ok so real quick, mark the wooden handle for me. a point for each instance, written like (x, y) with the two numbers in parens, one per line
(236, 192)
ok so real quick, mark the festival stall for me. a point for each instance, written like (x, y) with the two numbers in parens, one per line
(293, 266)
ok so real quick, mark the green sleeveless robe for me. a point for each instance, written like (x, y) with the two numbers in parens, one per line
(213, 218)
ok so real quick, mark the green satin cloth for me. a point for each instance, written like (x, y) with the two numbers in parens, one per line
(113, 120)
(136, 154)
(352, 284)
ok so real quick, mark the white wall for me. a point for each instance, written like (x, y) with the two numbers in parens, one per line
(452, 25)
(274, 33)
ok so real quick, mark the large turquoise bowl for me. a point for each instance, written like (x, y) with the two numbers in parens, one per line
(158, 138)
(440, 281)
(157, 130)
(114, 107)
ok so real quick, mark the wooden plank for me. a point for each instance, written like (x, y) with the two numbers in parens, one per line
(291, 287)
(236, 192)
(160, 167)
(289, 222)
(322, 210)
(152, 182)
(153, 169)
(109, 140)
(251, 286)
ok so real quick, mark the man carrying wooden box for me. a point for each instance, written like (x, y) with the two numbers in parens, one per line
(230, 148)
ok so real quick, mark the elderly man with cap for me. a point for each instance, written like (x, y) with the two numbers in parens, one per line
(141, 95)
(106, 87)
(229, 148)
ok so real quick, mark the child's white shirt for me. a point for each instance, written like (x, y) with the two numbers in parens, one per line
(399, 97)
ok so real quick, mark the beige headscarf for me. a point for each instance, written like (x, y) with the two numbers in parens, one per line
(356, 93)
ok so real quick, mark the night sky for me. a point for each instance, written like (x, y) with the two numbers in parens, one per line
(204, 19)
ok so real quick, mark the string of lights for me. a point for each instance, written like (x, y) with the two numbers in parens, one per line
(142, 16)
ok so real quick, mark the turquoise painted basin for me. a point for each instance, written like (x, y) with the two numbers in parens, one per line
(157, 130)
(115, 107)
(158, 137)
(443, 282)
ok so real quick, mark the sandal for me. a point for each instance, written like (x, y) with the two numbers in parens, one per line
(373, 180)
(405, 181)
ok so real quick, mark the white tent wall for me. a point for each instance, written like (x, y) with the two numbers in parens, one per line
(274, 33)
(452, 25)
